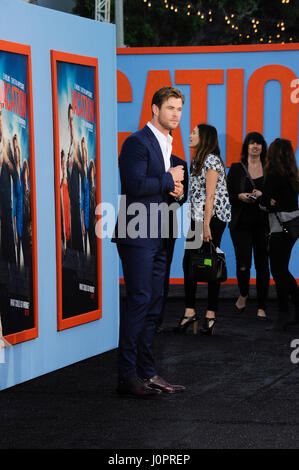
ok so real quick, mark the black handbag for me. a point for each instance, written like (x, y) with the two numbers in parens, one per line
(291, 227)
(206, 265)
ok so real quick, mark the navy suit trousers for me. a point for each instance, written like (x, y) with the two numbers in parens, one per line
(144, 274)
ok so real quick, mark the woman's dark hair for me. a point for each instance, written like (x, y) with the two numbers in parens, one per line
(251, 138)
(208, 143)
(281, 159)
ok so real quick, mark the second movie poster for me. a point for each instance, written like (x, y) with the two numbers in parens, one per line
(18, 267)
(77, 191)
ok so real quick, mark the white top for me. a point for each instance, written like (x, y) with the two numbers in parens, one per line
(222, 207)
(165, 143)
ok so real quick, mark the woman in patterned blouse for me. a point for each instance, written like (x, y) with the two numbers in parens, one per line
(210, 211)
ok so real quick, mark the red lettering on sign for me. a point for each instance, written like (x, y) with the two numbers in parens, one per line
(199, 81)
(157, 79)
(255, 101)
(234, 115)
(124, 95)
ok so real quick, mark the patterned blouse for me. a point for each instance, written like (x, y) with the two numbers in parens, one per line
(222, 207)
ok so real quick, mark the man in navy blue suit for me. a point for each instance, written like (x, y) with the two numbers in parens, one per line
(147, 180)
(173, 233)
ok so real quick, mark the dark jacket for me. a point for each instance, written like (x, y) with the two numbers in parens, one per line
(175, 161)
(237, 182)
(143, 180)
(278, 187)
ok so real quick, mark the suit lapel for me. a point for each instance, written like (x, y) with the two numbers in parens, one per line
(155, 145)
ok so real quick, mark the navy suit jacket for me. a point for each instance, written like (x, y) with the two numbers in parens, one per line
(173, 227)
(143, 180)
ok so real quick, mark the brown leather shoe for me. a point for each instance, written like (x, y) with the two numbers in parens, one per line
(158, 383)
(136, 387)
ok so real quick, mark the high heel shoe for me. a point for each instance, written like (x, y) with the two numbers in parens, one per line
(239, 310)
(242, 309)
(261, 315)
(208, 327)
(182, 328)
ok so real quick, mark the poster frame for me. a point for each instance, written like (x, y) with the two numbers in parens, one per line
(32, 333)
(76, 320)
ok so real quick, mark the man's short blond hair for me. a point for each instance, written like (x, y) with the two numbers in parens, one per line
(166, 92)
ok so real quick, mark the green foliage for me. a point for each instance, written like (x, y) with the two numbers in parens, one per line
(85, 8)
(161, 26)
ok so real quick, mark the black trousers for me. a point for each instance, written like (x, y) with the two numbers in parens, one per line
(248, 239)
(217, 229)
(280, 252)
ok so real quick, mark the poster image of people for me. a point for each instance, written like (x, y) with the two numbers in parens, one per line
(18, 290)
(76, 141)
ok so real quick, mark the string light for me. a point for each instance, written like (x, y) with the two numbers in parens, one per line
(207, 15)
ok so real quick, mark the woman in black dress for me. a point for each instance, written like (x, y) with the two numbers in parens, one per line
(249, 226)
(281, 199)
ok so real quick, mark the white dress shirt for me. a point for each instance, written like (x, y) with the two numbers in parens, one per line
(165, 143)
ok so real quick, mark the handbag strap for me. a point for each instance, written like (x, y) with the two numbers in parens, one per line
(248, 175)
(284, 229)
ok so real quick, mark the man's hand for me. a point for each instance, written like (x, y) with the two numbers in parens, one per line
(177, 173)
(178, 190)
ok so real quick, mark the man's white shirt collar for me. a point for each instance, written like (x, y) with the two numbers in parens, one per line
(165, 142)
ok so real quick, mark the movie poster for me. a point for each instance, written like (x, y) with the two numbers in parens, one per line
(77, 168)
(18, 290)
